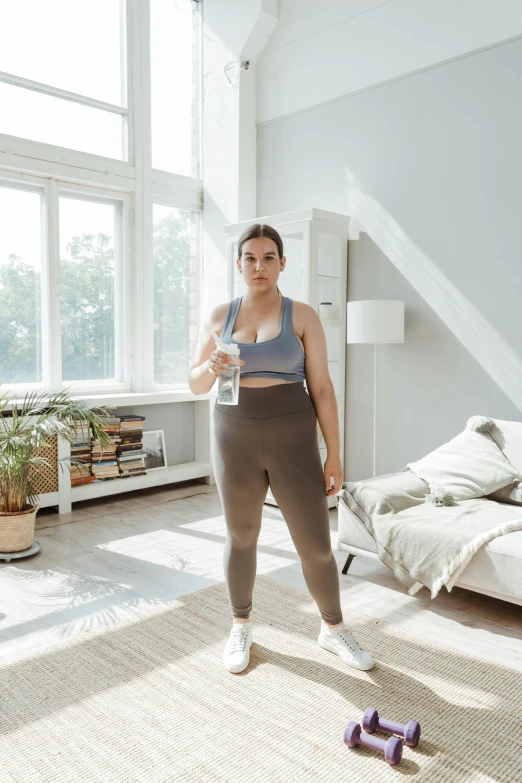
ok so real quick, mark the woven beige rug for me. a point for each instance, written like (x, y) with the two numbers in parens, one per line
(148, 700)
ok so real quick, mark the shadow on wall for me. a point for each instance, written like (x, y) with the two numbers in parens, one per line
(463, 319)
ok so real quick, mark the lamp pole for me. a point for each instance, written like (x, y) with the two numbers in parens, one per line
(374, 409)
(375, 321)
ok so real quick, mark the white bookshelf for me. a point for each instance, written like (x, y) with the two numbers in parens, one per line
(200, 467)
(153, 478)
(315, 245)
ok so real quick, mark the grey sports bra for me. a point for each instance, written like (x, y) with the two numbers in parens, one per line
(280, 357)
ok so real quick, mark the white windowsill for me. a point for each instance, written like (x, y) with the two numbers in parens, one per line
(120, 399)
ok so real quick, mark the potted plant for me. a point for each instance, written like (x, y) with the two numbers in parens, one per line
(41, 416)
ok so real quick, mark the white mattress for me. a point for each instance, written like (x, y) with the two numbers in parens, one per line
(495, 570)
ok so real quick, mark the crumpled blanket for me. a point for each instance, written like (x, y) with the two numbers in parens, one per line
(425, 544)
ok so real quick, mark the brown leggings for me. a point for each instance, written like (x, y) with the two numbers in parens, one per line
(270, 437)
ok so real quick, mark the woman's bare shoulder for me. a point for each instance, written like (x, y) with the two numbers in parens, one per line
(304, 318)
(302, 307)
(303, 312)
(217, 317)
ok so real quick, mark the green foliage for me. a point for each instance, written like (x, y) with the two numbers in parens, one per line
(173, 281)
(87, 309)
(86, 292)
(20, 319)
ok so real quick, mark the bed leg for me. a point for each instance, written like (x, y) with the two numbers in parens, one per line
(348, 563)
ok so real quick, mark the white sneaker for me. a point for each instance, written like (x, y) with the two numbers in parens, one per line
(237, 649)
(341, 641)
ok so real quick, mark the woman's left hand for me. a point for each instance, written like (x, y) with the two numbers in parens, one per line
(333, 468)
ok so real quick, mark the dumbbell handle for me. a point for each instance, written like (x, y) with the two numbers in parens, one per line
(371, 741)
(392, 726)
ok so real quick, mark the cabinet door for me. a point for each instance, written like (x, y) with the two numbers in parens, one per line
(328, 250)
(293, 281)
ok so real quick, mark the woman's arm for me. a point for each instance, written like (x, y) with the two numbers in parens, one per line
(322, 393)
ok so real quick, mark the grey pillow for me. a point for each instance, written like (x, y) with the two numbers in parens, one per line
(386, 494)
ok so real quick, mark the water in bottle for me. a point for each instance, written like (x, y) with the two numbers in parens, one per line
(228, 380)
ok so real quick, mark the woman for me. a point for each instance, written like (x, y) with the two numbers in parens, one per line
(270, 437)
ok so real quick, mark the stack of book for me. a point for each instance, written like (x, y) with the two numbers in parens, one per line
(105, 466)
(81, 450)
(131, 457)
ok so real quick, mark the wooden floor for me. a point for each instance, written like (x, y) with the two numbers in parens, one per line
(111, 558)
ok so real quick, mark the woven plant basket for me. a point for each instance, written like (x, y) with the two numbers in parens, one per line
(17, 529)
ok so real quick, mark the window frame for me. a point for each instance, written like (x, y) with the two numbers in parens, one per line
(135, 185)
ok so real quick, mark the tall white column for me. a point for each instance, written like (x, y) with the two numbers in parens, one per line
(234, 31)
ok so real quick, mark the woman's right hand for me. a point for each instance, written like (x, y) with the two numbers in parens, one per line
(219, 361)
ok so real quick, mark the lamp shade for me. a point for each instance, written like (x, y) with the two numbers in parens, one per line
(375, 321)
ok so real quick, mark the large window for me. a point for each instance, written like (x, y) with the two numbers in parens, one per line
(174, 49)
(63, 63)
(99, 251)
(76, 294)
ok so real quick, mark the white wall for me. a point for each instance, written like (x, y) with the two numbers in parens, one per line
(320, 51)
(438, 157)
(427, 388)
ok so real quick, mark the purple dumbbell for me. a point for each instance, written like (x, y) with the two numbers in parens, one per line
(410, 731)
(391, 748)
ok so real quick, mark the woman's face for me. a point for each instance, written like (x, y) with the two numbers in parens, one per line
(260, 264)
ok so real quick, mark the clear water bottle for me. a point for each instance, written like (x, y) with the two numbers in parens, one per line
(228, 381)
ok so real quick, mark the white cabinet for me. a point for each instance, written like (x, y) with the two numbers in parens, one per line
(315, 244)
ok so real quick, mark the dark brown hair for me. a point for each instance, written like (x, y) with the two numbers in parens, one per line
(261, 230)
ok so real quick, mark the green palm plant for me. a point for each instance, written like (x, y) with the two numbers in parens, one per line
(21, 434)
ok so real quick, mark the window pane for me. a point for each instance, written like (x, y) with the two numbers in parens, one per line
(87, 289)
(175, 292)
(59, 122)
(174, 69)
(75, 46)
(20, 286)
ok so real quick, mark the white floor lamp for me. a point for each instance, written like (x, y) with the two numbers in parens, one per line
(375, 321)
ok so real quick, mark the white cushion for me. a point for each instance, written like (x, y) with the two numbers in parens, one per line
(510, 494)
(496, 567)
(470, 465)
(508, 437)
